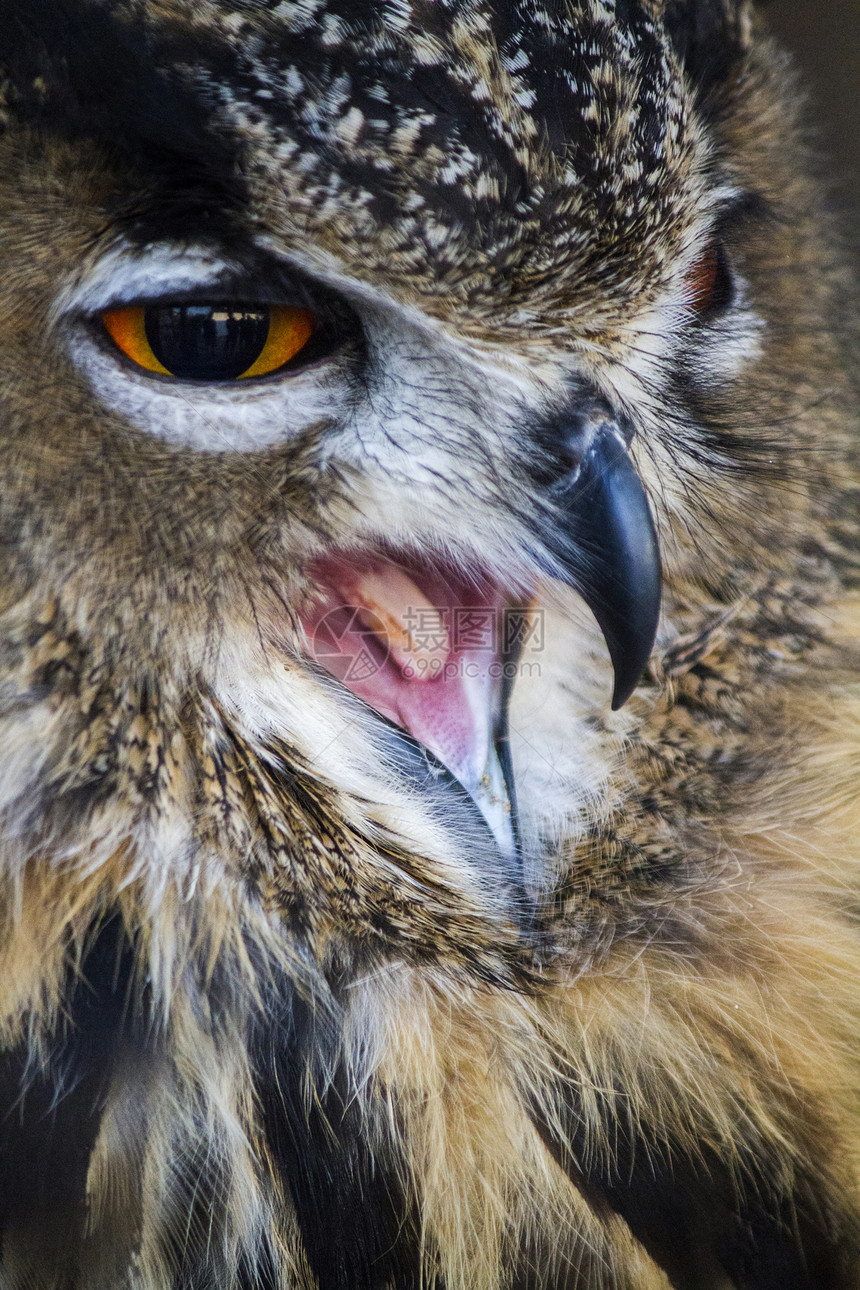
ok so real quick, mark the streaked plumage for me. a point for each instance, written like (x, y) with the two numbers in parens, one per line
(286, 1001)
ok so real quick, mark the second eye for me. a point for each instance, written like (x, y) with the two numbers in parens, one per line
(210, 341)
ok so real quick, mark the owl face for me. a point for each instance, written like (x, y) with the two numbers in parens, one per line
(428, 618)
(362, 366)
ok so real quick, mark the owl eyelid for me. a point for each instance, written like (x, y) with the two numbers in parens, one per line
(329, 307)
(741, 210)
(218, 293)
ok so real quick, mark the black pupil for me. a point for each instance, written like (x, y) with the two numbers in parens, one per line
(207, 342)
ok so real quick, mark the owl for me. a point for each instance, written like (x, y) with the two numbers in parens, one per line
(429, 619)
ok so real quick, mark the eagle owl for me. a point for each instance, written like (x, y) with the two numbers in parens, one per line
(428, 653)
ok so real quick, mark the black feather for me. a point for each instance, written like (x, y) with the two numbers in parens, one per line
(358, 1229)
(51, 1118)
(705, 1224)
(75, 70)
(706, 36)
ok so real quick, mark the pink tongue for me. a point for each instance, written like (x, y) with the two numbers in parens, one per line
(424, 658)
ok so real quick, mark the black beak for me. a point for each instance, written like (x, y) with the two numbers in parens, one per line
(597, 526)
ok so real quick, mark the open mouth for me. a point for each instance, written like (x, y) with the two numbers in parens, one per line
(434, 653)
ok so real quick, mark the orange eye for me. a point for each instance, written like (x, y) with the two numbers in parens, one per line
(210, 342)
(700, 280)
(127, 329)
(708, 281)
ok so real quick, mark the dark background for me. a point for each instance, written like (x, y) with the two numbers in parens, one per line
(824, 36)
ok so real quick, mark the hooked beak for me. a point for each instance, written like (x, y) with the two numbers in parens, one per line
(597, 529)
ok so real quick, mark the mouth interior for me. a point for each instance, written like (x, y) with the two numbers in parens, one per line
(426, 648)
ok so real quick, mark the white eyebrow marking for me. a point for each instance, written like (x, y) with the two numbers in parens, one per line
(125, 273)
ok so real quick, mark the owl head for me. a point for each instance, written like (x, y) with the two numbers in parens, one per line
(371, 373)
(400, 401)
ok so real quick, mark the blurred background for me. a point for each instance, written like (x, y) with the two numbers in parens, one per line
(824, 36)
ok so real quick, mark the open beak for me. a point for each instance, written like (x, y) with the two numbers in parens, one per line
(430, 649)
